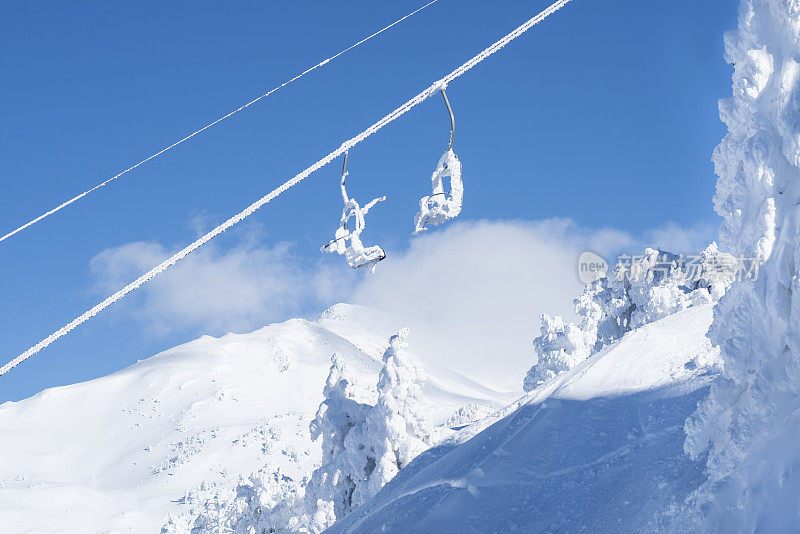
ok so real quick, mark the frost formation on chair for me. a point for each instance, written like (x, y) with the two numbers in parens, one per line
(348, 242)
(441, 206)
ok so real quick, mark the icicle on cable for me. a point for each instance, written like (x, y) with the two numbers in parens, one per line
(207, 126)
(347, 145)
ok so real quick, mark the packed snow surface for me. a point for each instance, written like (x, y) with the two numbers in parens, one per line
(596, 449)
(125, 452)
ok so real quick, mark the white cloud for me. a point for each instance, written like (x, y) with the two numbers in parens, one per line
(482, 284)
(676, 238)
(485, 284)
(214, 291)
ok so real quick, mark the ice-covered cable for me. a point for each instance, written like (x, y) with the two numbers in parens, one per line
(397, 113)
(207, 126)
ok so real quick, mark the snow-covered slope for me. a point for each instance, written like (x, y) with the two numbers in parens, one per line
(597, 449)
(120, 453)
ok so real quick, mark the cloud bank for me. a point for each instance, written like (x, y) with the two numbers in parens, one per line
(482, 284)
(215, 291)
(485, 284)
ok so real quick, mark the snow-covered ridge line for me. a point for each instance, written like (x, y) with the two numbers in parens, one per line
(173, 434)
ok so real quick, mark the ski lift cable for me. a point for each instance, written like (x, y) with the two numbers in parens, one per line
(347, 145)
(209, 125)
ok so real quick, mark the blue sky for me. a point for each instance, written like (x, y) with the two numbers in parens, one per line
(605, 114)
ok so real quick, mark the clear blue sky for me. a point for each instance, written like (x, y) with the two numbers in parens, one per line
(606, 114)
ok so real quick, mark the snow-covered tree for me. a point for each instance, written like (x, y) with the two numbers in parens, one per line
(649, 288)
(365, 446)
(560, 346)
(749, 424)
(265, 501)
(329, 494)
(396, 430)
(468, 414)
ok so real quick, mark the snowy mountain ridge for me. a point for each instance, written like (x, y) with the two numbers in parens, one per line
(176, 439)
(124, 452)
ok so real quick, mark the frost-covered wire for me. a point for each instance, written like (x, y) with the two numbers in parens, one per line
(347, 145)
(209, 125)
